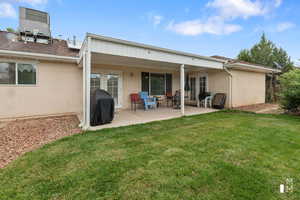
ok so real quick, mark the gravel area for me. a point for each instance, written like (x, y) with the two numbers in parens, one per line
(20, 136)
(262, 108)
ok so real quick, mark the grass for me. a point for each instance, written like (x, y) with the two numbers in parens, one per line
(223, 155)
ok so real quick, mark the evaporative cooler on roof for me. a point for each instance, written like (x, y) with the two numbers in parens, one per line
(34, 23)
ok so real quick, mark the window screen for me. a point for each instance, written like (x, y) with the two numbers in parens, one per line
(26, 74)
(7, 73)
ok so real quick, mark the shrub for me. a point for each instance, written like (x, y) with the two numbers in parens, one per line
(290, 91)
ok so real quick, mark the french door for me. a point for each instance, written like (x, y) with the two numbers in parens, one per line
(111, 83)
(199, 85)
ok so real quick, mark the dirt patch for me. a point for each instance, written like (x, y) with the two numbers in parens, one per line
(262, 108)
(20, 136)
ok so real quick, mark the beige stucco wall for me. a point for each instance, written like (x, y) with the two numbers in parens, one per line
(218, 82)
(59, 88)
(58, 91)
(131, 79)
(247, 88)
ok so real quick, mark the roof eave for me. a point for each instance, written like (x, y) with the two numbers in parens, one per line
(249, 67)
(38, 56)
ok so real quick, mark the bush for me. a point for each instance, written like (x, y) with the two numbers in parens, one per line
(290, 91)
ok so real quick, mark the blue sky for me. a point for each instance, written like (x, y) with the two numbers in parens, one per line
(205, 27)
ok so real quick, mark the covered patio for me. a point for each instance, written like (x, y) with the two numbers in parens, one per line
(129, 117)
(120, 66)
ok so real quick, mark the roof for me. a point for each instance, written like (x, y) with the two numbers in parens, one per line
(135, 44)
(243, 65)
(57, 48)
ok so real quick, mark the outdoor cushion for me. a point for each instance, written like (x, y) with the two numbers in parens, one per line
(219, 100)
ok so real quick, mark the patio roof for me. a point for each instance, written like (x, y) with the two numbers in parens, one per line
(116, 51)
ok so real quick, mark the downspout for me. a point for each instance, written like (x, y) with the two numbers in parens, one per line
(83, 90)
(230, 83)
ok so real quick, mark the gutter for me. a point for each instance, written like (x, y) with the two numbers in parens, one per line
(230, 83)
(254, 67)
(38, 56)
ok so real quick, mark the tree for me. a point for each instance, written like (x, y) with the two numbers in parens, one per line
(266, 53)
(281, 57)
(290, 90)
(10, 30)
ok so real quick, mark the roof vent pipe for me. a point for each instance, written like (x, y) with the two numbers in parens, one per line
(74, 40)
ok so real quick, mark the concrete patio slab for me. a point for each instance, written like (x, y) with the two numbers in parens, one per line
(129, 117)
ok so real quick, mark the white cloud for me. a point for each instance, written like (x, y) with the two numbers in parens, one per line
(33, 2)
(231, 9)
(155, 19)
(7, 10)
(213, 25)
(278, 3)
(284, 26)
(226, 11)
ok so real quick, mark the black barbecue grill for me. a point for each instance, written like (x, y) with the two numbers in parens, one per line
(102, 107)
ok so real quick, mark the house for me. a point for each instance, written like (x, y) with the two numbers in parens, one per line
(55, 78)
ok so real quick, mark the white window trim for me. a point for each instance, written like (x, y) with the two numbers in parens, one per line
(34, 64)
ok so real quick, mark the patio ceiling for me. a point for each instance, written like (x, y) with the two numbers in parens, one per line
(99, 58)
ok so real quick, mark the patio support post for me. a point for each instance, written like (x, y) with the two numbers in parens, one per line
(87, 84)
(182, 89)
(83, 90)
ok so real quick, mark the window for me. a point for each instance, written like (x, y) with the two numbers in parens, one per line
(26, 74)
(203, 84)
(7, 73)
(193, 88)
(17, 73)
(156, 83)
(95, 81)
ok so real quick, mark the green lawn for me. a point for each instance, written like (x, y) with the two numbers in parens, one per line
(223, 155)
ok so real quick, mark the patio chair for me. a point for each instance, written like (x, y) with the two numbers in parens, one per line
(177, 100)
(204, 99)
(218, 101)
(134, 99)
(169, 98)
(149, 102)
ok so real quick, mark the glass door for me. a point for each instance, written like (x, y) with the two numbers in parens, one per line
(202, 84)
(108, 82)
(193, 88)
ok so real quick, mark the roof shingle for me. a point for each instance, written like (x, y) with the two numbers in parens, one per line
(58, 47)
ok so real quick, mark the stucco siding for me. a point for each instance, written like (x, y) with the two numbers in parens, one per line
(218, 82)
(59, 88)
(248, 88)
(58, 91)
